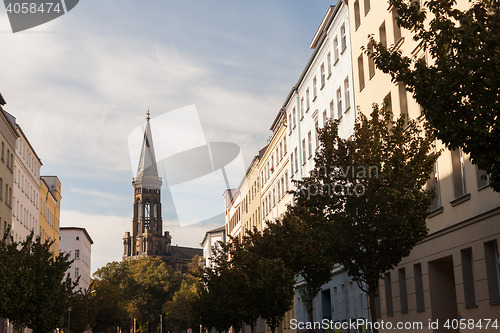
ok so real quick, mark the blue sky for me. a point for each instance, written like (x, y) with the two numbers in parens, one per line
(79, 86)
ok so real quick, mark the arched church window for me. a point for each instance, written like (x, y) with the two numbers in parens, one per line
(147, 215)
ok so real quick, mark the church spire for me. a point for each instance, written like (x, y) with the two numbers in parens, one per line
(147, 172)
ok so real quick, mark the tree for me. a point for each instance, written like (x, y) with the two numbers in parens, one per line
(133, 289)
(294, 234)
(83, 311)
(459, 89)
(268, 288)
(223, 293)
(34, 292)
(182, 312)
(110, 299)
(366, 191)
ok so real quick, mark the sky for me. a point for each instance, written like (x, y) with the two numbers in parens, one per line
(80, 87)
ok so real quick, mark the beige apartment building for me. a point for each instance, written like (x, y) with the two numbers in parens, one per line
(50, 210)
(250, 192)
(453, 273)
(274, 173)
(8, 137)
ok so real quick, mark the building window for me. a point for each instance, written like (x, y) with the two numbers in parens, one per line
(296, 160)
(403, 100)
(315, 88)
(346, 93)
(335, 50)
(324, 118)
(492, 270)
(343, 40)
(307, 99)
(361, 72)
(302, 108)
(77, 272)
(316, 127)
(329, 63)
(483, 179)
(77, 238)
(419, 287)
(388, 294)
(290, 123)
(382, 34)
(403, 294)
(371, 63)
(468, 277)
(339, 102)
(433, 184)
(309, 143)
(322, 69)
(77, 254)
(332, 112)
(357, 18)
(367, 6)
(457, 162)
(303, 151)
(396, 27)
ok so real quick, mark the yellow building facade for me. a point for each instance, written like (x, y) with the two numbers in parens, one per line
(50, 210)
(454, 272)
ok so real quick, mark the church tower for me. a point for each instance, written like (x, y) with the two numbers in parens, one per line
(147, 224)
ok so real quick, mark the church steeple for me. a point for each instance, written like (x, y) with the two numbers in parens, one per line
(146, 238)
(147, 171)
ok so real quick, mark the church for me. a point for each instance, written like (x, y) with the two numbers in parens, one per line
(147, 238)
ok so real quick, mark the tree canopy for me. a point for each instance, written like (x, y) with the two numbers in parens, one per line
(366, 193)
(459, 86)
(34, 292)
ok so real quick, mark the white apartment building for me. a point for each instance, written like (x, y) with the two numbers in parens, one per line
(77, 242)
(26, 190)
(324, 91)
(211, 241)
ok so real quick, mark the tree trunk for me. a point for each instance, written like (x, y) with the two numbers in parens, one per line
(372, 294)
(310, 312)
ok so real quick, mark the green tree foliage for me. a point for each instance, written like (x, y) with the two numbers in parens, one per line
(82, 314)
(367, 193)
(133, 289)
(223, 293)
(182, 312)
(110, 297)
(295, 233)
(34, 292)
(268, 282)
(459, 88)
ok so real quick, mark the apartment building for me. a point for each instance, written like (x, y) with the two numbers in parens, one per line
(26, 191)
(274, 173)
(77, 243)
(8, 137)
(454, 272)
(324, 91)
(50, 210)
(232, 213)
(250, 190)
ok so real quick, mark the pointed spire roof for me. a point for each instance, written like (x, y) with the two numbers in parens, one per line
(147, 171)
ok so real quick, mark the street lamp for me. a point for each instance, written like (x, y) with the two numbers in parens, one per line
(69, 316)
